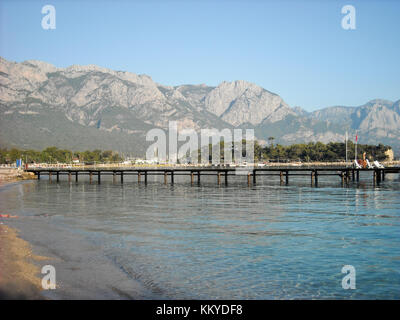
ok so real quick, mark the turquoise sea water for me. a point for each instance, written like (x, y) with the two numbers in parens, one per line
(181, 241)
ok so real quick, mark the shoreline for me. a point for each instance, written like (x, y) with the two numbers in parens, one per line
(24, 249)
(10, 175)
(19, 278)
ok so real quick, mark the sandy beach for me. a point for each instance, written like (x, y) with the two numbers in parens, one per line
(19, 276)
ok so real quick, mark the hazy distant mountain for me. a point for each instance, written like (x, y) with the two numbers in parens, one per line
(87, 107)
(376, 121)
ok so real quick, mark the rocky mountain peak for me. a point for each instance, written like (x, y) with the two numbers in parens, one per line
(245, 102)
(72, 106)
(43, 66)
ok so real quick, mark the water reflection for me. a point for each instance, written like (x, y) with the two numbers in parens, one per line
(208, 241)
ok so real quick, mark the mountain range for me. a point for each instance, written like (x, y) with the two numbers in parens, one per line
(90, 107)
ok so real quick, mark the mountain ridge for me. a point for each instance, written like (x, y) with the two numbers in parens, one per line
(124, 105)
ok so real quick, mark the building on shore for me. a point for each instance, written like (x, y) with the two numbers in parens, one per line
(389, 155)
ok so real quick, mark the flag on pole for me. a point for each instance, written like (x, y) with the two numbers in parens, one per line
(356, 138)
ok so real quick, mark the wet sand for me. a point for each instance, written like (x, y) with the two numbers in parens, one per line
(19, 276)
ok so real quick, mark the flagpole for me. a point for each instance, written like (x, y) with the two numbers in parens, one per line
(346, 147)
(355, 154)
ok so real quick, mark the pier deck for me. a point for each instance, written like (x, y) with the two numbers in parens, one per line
(346, 174)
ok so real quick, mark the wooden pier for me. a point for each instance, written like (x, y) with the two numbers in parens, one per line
(346, 174)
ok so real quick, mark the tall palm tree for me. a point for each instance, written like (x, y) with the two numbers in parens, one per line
(271, 141)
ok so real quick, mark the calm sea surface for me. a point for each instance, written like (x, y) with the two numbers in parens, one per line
(207, 241)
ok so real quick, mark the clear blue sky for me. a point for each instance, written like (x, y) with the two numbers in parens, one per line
(297, 49)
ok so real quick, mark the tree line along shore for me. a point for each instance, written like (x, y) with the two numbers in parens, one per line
(333, 151)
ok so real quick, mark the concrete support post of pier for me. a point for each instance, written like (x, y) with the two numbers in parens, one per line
(287, 177)
(312, 177)
(219, 178)
(198, 177)
(139, 174)
(248, 179)
(49, 176)
(76, 176)
(358, 175)
(352, 175)
(38, 175)
(281, 177)
(254, 177)
(191, 177)
(375, 177)
(172, 177)
(58, 176)
(165, 177)
(69, 177)
(383, 175)
(90, 177)
(114, 176)
(342, 176)
(145, 177)
(226, 178)
(99, 177)
(122, 177)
